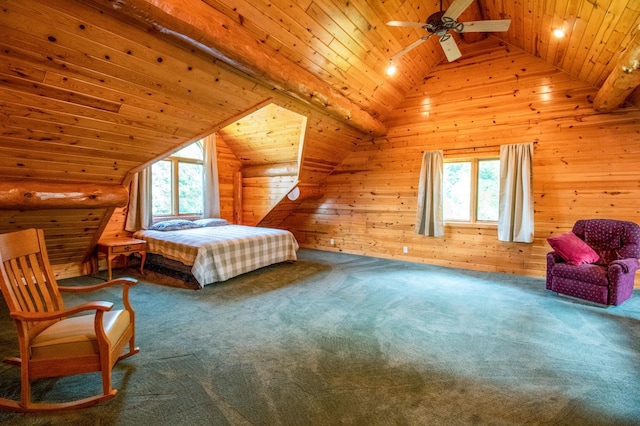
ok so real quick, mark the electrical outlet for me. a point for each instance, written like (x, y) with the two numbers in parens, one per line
(405, 249)
(331, 242)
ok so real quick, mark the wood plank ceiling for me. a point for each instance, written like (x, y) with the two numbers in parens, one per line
(347, 45)
(328, 50)
(91, 91)
(270, 135)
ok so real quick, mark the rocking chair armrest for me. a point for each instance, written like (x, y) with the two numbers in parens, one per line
(87, 288)
(44, 316)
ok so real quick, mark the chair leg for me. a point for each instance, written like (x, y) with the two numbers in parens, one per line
(106, 378)
(25, 385)
(132, 347)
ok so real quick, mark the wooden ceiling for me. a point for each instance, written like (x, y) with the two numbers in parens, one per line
(334, 54)
(270, 135)
(331, 54)
(346, 44)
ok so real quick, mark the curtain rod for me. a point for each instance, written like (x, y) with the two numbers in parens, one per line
(474, 148)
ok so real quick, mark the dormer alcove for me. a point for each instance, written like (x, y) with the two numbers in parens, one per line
(267, 144)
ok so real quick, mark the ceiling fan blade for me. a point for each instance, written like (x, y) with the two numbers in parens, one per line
(499, 25)
(405, 24)
(456, 8)
(450, 48)
(410, 47)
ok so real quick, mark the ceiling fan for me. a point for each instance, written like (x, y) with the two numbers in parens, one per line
(440, 23)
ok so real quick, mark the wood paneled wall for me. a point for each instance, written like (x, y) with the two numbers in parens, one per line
(228, 166)
(585, 164)
(260, 194)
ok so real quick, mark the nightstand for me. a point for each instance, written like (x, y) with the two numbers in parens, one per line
(113, 248)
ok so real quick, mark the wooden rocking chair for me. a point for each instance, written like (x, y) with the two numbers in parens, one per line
(55, 341)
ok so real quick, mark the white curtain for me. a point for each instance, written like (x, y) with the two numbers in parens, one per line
(211, 193)
(515, 220)
(139, 215)
(429, 220)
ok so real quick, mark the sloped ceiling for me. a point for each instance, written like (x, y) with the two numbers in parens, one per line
(334, 54)
(267, 136)
(326, 50)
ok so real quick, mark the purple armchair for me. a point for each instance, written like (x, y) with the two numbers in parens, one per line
(609, 281)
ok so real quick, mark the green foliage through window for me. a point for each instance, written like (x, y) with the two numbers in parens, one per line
(190, 188)
(161, 178)
(488, 190)
(177, 183)
(457, 191)
(471, 190)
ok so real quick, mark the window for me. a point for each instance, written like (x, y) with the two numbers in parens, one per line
(177, 183)
(471, 190)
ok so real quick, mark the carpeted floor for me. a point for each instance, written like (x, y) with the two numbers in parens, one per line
(337, 339)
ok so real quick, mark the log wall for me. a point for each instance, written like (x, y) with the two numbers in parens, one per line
(586, 164)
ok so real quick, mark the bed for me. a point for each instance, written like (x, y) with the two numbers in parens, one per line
(220, 252)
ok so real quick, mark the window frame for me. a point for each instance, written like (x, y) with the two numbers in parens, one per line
(474, 160)
(175, 161)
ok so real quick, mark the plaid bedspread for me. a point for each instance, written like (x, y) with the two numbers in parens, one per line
(222, 252)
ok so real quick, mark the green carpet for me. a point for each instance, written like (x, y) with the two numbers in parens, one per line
(337, 339)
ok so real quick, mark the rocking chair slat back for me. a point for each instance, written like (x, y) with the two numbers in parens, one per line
(28, 285)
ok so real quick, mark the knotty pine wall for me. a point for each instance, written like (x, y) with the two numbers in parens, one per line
(586, 164)
(228, 166)
(258, 193)
(261, 193)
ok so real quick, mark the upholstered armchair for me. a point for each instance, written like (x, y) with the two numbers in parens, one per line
(599, 265)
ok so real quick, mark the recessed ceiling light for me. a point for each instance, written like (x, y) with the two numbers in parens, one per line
(558, 32)
(391, 69)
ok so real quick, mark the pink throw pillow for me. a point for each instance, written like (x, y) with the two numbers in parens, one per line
(572, 249)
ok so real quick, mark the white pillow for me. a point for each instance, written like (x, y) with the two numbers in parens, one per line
(212, 221)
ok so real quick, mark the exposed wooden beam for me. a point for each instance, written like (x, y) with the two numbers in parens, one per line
(623, 80)
(271, 170)
(202, 26)
(36, 195)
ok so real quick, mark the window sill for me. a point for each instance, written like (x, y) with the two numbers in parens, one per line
(481, 225)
